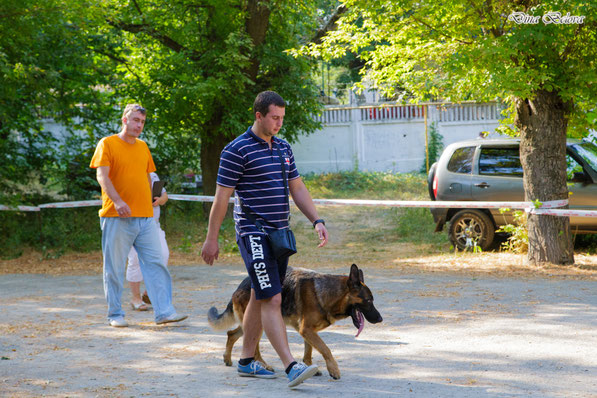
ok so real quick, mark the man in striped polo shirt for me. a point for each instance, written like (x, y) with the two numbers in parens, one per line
(250, 167)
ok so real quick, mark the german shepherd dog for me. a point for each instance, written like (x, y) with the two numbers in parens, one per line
(311, 302)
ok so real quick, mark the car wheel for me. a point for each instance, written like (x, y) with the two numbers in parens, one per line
(471, 227)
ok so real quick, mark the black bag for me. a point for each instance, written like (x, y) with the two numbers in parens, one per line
(281, 241)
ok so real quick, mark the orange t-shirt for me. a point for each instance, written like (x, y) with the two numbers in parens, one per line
(129, 167)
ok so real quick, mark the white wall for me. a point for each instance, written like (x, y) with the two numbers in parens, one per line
(396, 147)
(380, 137)
(328, 150)
(387, 137)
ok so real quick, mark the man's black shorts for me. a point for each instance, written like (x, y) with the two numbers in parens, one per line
(266, 273)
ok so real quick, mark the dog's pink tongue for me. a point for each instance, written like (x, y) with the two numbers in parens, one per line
(361, 323)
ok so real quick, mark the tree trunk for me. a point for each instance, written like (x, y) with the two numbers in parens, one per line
(256, 24)
(211, 149)
(542, 122)
(213, 141)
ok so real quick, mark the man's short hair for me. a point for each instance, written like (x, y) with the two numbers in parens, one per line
(133, 108)
(266, 98)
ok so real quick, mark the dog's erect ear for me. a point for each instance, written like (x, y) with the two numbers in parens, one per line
(353, 278)
(360, 276)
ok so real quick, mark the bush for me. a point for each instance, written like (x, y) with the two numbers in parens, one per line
(74, 229)
(18, 230)
(586, 243)
(435, 147)
(518, 235)
(184, 224)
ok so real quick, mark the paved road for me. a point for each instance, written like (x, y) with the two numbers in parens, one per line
(443, 335)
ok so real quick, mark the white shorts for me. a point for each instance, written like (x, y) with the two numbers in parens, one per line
(133, 269)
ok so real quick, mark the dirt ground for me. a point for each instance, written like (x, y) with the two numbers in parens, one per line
(455, 325)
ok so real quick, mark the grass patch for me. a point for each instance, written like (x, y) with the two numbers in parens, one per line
(415, 225)
(185, 224)
(51, 231)
(54, 232)
(367, 185)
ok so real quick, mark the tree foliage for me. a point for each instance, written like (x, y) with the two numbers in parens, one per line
(198, 65)
(47, 73)
(469, 49)
(476, 49)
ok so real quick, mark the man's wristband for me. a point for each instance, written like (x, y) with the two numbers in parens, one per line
(318, 221)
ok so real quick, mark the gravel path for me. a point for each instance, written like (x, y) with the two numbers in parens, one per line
(443, 335)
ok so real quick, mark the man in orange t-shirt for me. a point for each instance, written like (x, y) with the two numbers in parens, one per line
(123, 164)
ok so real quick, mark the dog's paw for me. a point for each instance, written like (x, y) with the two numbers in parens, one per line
(318, 373)
(227, 361)
(334, 374)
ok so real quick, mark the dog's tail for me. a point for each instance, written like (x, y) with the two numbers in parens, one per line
(222, 321)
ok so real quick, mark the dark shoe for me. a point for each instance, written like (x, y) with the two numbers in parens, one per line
(172, 318)
(145, 298)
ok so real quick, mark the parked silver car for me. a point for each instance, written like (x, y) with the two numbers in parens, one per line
(490, 170)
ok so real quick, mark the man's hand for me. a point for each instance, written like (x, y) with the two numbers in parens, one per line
(303, 201)
(122, 209)
(322, 233)
(210, 251)
(103, 177)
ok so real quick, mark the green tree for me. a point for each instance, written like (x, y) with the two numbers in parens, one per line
(435, 147)
(46, 73)
(198, 65)
(464, 49)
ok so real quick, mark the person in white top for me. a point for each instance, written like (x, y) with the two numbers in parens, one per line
(133, 271)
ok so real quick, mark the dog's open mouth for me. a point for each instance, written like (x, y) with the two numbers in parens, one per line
(358, 319)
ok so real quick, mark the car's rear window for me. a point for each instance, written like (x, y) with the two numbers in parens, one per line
(462, 160)
(500, 162)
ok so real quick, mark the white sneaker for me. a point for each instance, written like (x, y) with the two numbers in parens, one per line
(118, 323)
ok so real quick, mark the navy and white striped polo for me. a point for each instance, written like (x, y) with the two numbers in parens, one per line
(254, 170)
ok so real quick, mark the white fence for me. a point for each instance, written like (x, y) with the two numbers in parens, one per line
(379, 137)
(388, 137)
(469, 112)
